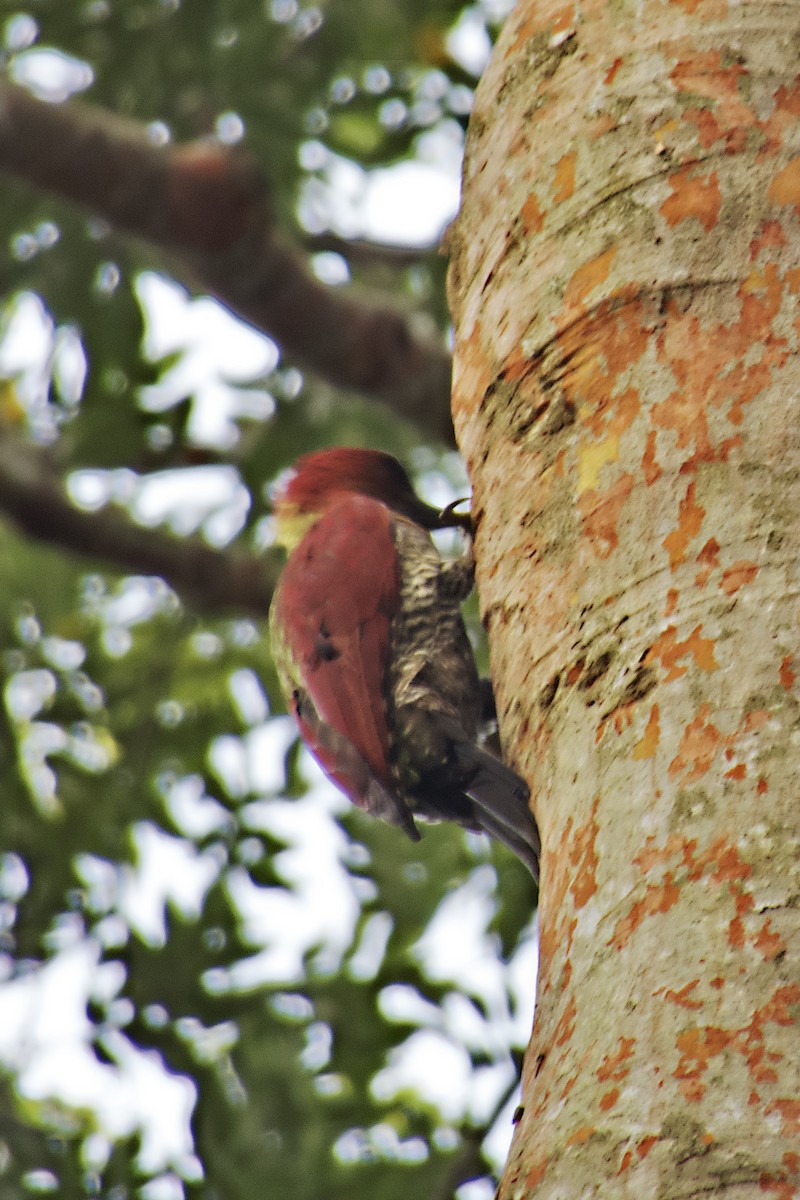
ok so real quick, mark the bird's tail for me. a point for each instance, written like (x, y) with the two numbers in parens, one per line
(482, 793)
(500, 804)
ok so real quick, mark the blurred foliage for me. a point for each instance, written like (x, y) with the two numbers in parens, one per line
(247, 942)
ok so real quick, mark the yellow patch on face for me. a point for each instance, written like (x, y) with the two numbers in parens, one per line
(291, 525)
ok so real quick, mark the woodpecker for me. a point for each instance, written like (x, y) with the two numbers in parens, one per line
(373, 656)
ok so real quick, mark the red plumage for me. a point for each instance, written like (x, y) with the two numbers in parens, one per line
(337, 596)
(373, 655)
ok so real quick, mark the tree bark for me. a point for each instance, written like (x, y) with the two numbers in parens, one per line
(624, 282)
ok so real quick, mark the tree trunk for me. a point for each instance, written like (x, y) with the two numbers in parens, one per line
(624, 284)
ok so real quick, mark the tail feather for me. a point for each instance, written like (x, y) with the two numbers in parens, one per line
(500, 803)
(482, 793)
(526, 849)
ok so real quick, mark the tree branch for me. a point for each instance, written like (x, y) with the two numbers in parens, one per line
(33, 497)
(205, 205)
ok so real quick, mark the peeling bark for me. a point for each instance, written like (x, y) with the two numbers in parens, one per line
(624, 283)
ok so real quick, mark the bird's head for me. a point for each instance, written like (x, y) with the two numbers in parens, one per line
(320, 479)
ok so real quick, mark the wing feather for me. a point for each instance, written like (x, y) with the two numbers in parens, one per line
(334, 606)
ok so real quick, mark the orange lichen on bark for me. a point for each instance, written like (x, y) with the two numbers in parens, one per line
(691, 6)
(709, 131)
(650, 468)
(644, 1147)
(693, 196)
(658, 898)
(789, 1111)
(736, 932)
(620, 719)
(564, 179)
(600, 512)
(724, 859)
(754, 720)
(669, 651)
(601, 123)
(515, 367)
(690, 521)
(616, 1065)
(557, 921)
(652, 855)
(698, 747)
(737, 576)
(709, 560)
(612, 70)
(683, 998)
(565, 1025)
(729, 866)
(609, 413)
(574, 673)
(648, 745)
(532, 215)
(697, 1047)
(583, 858)
(609, 1099)
(767, 942)
(589, 276)
(527, 29)
(472, 375)
(785, 187)
(537, 1172)
(581, 1135)
(787, 674)
(782, 1188)
(717, 78)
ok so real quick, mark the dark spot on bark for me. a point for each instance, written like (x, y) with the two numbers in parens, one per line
(548, 693)
(643, 682)
(539, 1064)
(596, 670)
(524, 424)
(519, 1113)
(562, 415)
